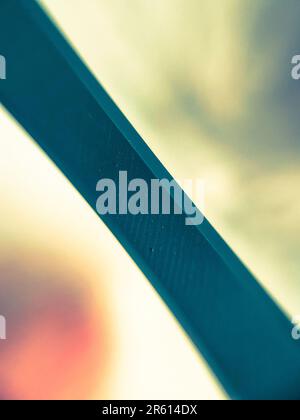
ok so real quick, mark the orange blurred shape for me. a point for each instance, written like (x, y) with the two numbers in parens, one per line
(56, 345)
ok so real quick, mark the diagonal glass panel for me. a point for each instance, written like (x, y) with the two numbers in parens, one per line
(208, 85)
(183, 109)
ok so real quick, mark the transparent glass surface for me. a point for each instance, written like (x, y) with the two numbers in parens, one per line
(208, 86)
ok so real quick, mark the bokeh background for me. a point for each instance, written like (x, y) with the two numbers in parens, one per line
(208, 85)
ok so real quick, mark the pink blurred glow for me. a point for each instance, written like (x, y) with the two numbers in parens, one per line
(57, 344)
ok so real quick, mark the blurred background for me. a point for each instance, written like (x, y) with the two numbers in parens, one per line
(208, 86)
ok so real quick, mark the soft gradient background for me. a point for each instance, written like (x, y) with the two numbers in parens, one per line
(207, 84)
